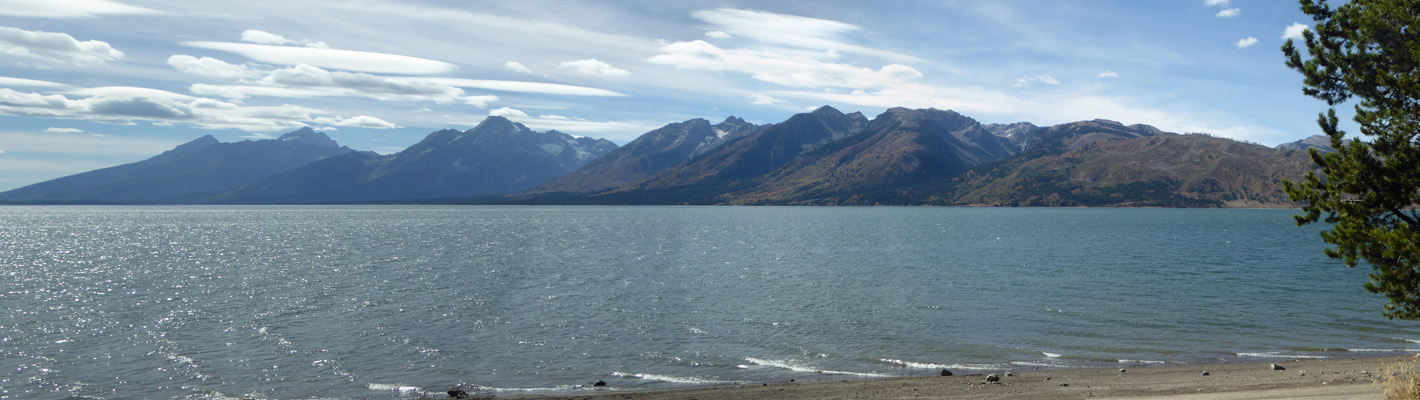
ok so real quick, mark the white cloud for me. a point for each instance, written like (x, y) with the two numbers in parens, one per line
(523, 87)
(70, 8)
(780, 69)
(1108, 74)
(309, 81)
(791, 30)
(1246, 42)
(63, 130)
(517, 66)
(1046, 79)
(527, 34)
(717, 35)
(1215, 3)
(592, 66)
(1229, 13)
(762, 99)
(1294, 31)
(508, 112)
(264, 37)
(360, 121)
(553, 116)
(7, 81)
(381, 88)
(211, 67)
(258, 136)
(349, 60)
(55, 47)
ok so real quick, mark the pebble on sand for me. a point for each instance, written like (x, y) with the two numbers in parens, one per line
(1276, 367)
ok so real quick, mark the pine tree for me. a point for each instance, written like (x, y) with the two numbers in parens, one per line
(1367, 53)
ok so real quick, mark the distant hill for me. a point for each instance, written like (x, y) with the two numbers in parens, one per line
(201, 166)
(1165, 170)
(496, 157)
(938, 157)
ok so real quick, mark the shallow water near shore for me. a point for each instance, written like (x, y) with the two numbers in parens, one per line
(383, 302)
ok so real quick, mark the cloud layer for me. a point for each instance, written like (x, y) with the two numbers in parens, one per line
(56, 48)
(70, 9)
(349, 60)
(125, 105)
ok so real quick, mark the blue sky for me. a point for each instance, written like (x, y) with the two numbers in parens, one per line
(86, 84)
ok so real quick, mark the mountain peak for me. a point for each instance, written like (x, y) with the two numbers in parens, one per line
(308, 136)
(204, 141)
(733, 120)
(496, 123)
(826, 111)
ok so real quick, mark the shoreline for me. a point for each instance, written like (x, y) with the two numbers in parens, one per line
(1332, 378)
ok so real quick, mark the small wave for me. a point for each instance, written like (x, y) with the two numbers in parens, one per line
(800, 368)
(1123, 361)
(562, 388)
(673, 379)
(1051, 355)
(1037, 364)
(1416, 341)
(919, 365)
(210, 395)
(394, 387)
(1385, 350)
(1279, 355)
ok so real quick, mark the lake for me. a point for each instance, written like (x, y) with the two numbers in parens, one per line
(388, 302)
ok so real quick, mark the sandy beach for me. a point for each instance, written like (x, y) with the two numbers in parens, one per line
(1301, 379)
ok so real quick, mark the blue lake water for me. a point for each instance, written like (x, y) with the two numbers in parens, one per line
(387, 302)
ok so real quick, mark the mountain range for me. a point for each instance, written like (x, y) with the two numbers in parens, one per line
(201, 166)
(824, 157)
(496, 157)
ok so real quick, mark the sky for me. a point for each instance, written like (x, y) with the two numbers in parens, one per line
(88, 84)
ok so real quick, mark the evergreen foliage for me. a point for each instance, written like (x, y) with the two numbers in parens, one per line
(1367, 52)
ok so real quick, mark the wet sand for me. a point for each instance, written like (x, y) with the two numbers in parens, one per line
(1302, 379)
